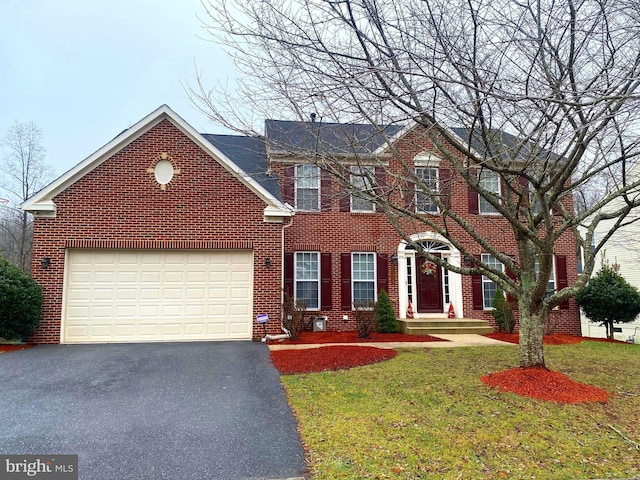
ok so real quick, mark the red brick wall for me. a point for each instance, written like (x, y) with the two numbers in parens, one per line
(338, 232)
(119, 201)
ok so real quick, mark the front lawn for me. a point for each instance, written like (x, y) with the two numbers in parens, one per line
(426, 414)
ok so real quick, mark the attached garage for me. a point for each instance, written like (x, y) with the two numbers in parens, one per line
(157, 295)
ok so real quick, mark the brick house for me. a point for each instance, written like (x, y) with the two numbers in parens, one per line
(166, 234)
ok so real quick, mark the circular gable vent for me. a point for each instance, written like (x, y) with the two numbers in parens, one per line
(163, 172)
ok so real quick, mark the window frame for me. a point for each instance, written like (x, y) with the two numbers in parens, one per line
(317, 281)
(552, 279)
(373, 281)
(487, 303)
(355, 171)
(420, 191)
(483, 201)
(297, 177)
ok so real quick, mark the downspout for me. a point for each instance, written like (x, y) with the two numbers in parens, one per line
(287, 333)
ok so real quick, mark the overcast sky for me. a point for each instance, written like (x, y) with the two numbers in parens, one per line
(86, 70)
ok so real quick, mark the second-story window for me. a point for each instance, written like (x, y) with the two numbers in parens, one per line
(307, 182)
(489, 181)
(362, 179)
(424, 196)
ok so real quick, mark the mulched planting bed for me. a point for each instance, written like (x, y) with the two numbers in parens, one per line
(352, 337)
(319, 359)
(553, 339)
(543, 384)
(13, 347)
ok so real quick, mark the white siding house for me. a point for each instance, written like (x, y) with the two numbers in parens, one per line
(623, 249)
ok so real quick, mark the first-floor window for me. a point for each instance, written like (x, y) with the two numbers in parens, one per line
(551, 284)
(363, 268)
(489, 287)
(307, 279)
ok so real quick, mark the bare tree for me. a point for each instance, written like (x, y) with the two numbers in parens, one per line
(24, 173)
(544, 95)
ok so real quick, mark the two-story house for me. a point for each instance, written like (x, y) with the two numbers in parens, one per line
(166, 234)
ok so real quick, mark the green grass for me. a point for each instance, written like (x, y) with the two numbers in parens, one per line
(425, 414)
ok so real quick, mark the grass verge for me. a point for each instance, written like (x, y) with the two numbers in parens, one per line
(426, 414)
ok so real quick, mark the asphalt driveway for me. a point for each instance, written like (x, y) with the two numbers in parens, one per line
(213, 410)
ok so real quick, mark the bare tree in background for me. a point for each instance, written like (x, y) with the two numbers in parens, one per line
(24, 172)
(560, 76)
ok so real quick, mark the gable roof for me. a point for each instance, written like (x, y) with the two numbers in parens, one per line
(342, 139)
(511, 147)
(41, 203)
(250, 154)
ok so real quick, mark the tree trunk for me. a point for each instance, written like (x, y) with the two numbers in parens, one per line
(531, 338)
(609, 327)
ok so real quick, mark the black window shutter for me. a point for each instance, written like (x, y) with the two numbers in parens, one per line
(345, 198)
(476, 283)
(325, 191)
(512, 276)
(561, 277)
(288, 188)
(524, 189)
(382, 261)
(345, 276)
(381, 181)
(474, 202)
(410, 194)
(325, 281)
(445, 186)
(288, 273)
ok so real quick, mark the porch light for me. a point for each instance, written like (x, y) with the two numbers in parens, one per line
(45, 262)
(267, 262)
(394, 259)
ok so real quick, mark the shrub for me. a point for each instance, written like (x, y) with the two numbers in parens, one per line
(365, 319)
(20, 302)
(503, 313)
(385, 315)
(293, 315)
(609, 298)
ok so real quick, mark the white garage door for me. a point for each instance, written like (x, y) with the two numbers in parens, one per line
(159, 295)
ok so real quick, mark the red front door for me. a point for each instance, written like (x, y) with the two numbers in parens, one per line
(429, 289)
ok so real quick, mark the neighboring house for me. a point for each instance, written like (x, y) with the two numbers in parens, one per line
(623, 250)
(166, 234)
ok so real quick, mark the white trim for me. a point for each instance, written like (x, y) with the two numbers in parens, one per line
(426, 159)
(42, 201)
(455, 279)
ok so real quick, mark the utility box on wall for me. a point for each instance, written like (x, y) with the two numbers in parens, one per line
(320, 324)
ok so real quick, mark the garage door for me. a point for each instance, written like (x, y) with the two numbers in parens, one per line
(159, 295)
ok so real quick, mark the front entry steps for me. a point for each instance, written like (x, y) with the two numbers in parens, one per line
(434, 326)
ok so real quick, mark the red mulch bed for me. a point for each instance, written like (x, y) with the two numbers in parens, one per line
(554, 339)
(352, 337)
(319, 359)
(543, 384)
(12, 347)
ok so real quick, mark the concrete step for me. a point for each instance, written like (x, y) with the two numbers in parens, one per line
(422, 326)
